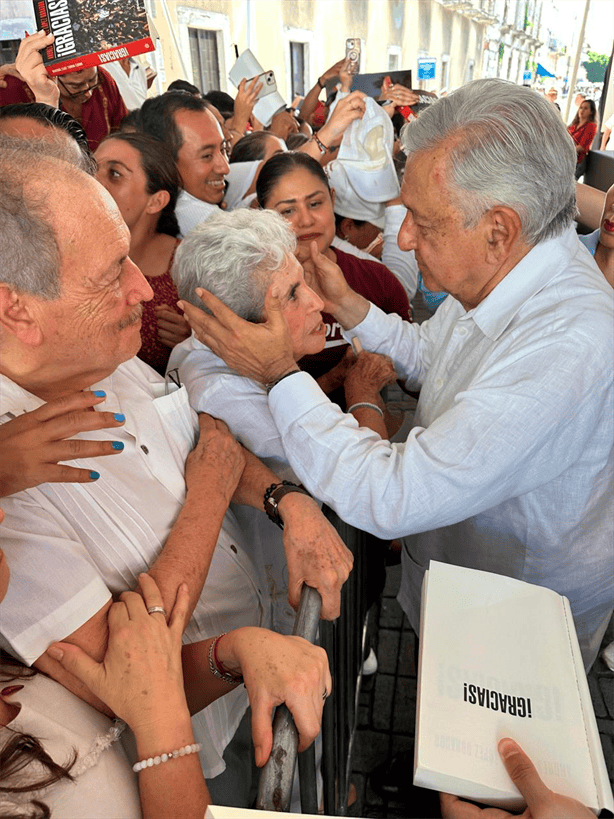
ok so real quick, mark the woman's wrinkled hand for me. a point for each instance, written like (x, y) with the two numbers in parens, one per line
(367, 377)
(140, 677)
(278, 669)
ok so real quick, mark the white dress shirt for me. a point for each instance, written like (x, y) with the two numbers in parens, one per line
(70, 546)
(348, 247)
(191, 211)
(509, 465)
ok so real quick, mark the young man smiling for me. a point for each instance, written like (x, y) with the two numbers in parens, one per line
(191, 131)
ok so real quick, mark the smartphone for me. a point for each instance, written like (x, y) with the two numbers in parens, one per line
(269, 85)
(352, 53)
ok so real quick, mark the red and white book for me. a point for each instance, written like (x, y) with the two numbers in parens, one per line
(92, 32)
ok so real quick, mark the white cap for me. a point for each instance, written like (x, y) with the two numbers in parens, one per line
(366, 154)
(348, 202)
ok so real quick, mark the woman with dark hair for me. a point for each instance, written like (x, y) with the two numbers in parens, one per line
(582, 130)
(140, 174)
(256, 145)
(294, 185)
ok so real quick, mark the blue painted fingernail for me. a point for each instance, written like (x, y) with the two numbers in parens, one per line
(100, 393)
(118, 445)
(119, 417)
(94, 475)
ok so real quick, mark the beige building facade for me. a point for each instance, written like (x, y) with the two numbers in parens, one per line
(300, 39)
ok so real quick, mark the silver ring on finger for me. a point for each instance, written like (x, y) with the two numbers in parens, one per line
(156, 610)
(325, 694)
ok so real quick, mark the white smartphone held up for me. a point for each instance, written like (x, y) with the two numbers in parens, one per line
(352, 53)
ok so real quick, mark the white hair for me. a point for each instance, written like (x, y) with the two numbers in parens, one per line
(30, 253)
(233, 255)
(507, 145)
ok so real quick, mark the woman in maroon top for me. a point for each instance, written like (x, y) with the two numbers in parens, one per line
(296, 187)
(139, 173)
(583, 129)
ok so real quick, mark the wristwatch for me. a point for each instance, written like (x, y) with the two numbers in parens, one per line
(273, 496)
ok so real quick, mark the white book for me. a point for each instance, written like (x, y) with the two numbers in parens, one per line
(221, 812)
(500, 658)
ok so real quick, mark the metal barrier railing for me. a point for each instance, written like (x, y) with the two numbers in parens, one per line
(275, 787)
(343, 641)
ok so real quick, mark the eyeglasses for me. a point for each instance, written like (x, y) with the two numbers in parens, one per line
(74, 94)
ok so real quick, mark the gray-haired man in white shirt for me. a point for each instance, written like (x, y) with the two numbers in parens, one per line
(70, 310)
(509, 465)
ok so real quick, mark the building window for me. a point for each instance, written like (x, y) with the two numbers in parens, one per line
(445, 72)
(297, 68)
(296, 79)
(205, 59)
(8, 51)
(394, 57)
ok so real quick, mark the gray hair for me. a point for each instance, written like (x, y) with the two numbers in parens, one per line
(30, 254)
(233, 256)
(507, 146)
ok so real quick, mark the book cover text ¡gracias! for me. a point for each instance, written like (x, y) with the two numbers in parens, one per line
(92, 32)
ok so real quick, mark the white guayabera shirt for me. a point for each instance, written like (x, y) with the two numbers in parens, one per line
(509, 465)
(71, 546)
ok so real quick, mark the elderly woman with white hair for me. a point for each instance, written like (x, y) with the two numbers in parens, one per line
(243, 257)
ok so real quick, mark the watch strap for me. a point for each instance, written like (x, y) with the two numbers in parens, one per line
(273, 496)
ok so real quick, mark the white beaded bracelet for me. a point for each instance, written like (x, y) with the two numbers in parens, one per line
(157, 760)
(366, 404)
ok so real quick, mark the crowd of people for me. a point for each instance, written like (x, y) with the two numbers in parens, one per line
(199, 313)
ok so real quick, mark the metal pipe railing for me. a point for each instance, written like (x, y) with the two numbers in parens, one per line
(275, 788)
(343, 641)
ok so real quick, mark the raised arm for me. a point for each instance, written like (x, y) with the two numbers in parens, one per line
(29, 63)
(244, 103)
(330, 134)
(312, 96)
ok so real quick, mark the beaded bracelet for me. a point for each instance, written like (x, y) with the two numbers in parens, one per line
(366, 404)
(158, 760)
(216, 667)
(321, 146)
